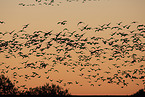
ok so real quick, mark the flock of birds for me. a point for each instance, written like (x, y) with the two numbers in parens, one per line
(85, 51)
(52, 2)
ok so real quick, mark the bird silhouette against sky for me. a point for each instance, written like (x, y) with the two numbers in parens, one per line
(120, 46)
(52, 2)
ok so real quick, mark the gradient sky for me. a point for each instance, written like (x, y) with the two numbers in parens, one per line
(92, 12)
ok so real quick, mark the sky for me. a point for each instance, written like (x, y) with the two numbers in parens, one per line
(45, 18)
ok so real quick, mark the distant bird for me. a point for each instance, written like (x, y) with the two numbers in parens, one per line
(107, 72)
(22, 4)
(38, 0)
(4, 33)
(7, 66)
(108, 24)
(132, 31)
(63, 22)
(77, 82)
(2, 22)
(25, 26)
(59, 81)
(47, 77)
(69, 83)
(52, 1)
(80, 23)
(140, 25)
(133, 22)
(12, 32)
(85, 28)
(128, 26)
(119, 23)
(99, 84)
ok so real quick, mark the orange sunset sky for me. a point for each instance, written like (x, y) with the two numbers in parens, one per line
(93, 13)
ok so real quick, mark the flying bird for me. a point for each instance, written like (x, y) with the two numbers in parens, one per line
(80, 23)
(119, 23)
(2, 22)
(63, 22)
(25, 26)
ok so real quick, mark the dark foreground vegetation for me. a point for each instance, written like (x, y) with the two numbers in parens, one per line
(8, 88)
(140, 93)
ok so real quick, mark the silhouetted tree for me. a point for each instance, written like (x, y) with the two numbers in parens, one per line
(140, 93)
(8, 88)
(53, 90)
